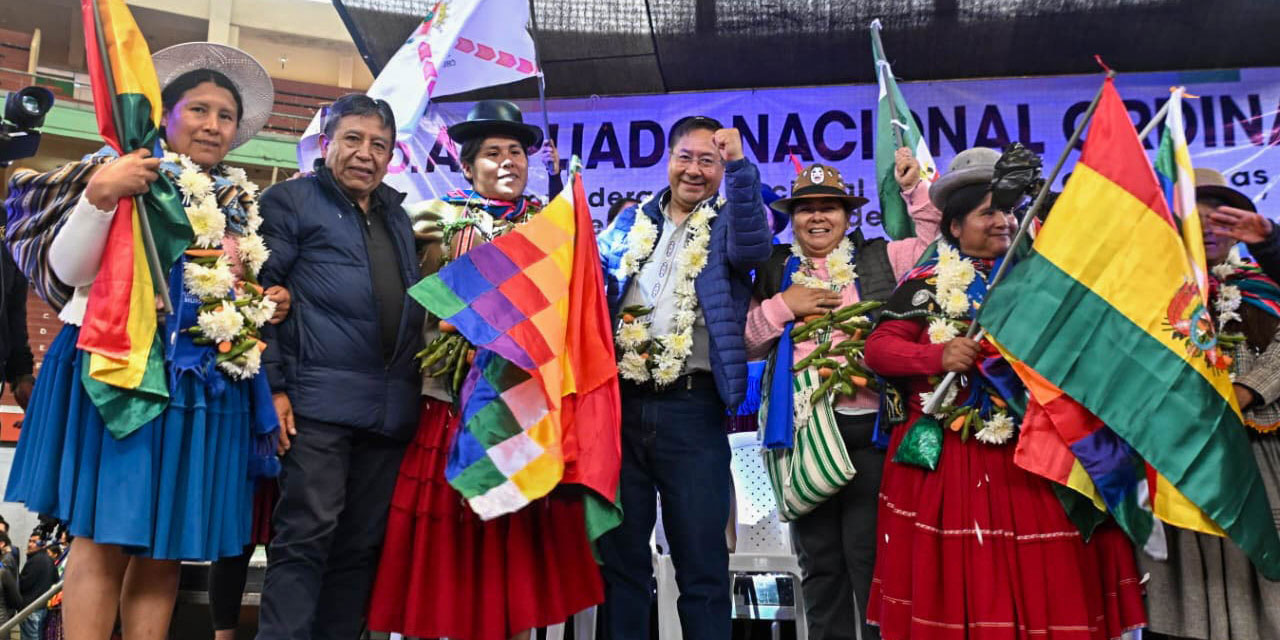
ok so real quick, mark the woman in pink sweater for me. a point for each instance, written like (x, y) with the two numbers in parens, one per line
(824, 270)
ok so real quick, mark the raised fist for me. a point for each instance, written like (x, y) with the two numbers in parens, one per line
(729, 142)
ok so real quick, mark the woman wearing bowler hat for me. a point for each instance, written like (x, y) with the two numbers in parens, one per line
(970, 546)
(824, 269)
(445, 572)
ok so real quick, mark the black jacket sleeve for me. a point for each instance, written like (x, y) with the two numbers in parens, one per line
(9, 586)
(1267, 253)
(280, 232)
(555, 184)
(36, 577)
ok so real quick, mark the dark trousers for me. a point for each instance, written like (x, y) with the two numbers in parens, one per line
(674, 445)
(836, 543)
(335, 491)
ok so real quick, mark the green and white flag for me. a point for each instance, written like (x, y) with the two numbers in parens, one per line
(895, 128)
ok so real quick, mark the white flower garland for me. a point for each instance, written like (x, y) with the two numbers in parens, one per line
(839, 268)
(665, 356)
(942, 331)
(640, 242)
(1229, 266)
(1227, 302)
(996, 430)
(954, 275)
(231, 311)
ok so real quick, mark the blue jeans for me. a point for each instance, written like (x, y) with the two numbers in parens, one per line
(30, 627)
(674, 445)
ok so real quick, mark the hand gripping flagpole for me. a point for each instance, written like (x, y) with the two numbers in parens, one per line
(974, 333)
(882, 66)
(542, 84)
(159, 280)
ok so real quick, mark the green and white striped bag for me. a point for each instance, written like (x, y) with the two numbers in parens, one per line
(817, 466)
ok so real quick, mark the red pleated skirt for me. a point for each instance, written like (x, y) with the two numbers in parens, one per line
(981, 550)
(264, 504)
(445, 572)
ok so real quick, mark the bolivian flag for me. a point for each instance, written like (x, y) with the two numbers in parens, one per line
(1107, 309)
(124, 374)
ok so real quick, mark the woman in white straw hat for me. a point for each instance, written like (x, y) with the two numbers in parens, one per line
(139, 499)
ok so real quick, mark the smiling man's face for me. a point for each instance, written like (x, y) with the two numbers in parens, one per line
(358, 154)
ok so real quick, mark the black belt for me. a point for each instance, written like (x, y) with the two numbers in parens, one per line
(695, 381)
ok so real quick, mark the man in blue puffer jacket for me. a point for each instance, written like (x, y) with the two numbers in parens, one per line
(342, 372)
(677, 268)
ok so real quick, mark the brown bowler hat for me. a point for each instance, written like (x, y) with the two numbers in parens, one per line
(818, 181)
(1212, 183)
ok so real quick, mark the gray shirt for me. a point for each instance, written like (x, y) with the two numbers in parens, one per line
(655, 287)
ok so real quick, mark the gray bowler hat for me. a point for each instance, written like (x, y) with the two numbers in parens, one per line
(971, 166)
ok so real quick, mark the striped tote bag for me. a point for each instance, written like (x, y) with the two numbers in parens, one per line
(817, 466)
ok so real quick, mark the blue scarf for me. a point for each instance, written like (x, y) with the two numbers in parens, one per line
(779, 428)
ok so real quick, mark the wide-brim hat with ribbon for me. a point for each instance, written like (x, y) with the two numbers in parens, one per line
(496, 117)
(257, 95)
(971, 166)
(818, 181)
(1212, 183)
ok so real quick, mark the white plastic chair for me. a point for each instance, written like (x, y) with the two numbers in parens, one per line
(584, 626)
(763, 541)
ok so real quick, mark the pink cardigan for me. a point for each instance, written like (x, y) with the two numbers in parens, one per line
(766, 318)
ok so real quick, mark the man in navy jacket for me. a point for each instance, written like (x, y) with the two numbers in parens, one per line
(342, 373)
(677, 268)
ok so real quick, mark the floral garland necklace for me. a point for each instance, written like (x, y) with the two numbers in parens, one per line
(231, 310)
(839, 268)
(661, 358)
(1227, 302)
(953, 276)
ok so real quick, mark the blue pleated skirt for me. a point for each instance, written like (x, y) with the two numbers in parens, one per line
(175, 489)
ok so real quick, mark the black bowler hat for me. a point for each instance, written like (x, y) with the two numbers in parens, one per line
(496, 117)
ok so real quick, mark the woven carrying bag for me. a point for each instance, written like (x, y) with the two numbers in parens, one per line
(818, 466)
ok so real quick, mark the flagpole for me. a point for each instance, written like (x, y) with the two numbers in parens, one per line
(542, 84)
(1157, 119)
(935, 400)
(893, 107)
(159, 280)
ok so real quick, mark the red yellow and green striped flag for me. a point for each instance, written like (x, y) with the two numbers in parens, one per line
(1107, 309)
(124, 374)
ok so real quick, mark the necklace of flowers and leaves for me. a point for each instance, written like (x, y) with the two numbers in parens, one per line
(840, 271)
(1226, 304)
(837, 364)
(953, 275)
(449, 355)
(231, 310)
(644, 357)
